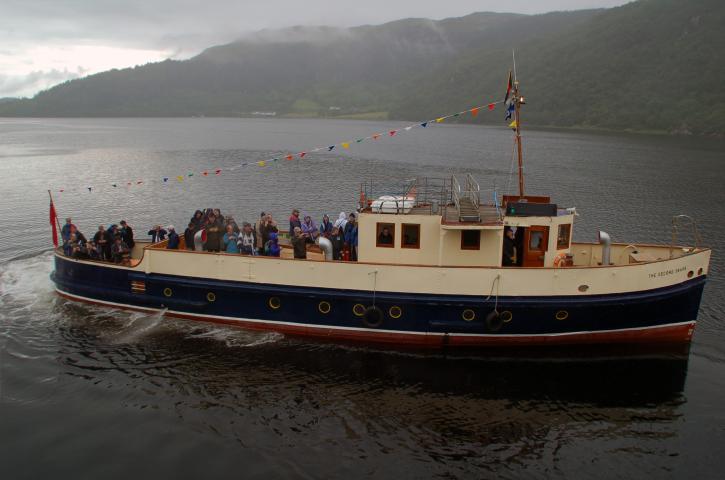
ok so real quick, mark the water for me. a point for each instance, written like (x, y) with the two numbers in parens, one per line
(96, 393)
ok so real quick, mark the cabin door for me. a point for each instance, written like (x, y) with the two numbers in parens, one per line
(536, 240)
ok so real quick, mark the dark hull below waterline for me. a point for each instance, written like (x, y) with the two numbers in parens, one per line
(660, 316)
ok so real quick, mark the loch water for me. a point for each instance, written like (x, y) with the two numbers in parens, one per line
(89, 392)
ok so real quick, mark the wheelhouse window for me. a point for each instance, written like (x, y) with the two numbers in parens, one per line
(385, 236)
(470, 239)
(411, 236)
(564, 236)
(536, 241)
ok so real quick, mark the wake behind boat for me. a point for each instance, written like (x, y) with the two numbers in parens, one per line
(435, 267)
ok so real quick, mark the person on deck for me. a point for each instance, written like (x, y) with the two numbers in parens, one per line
(92, 251)
(267, 226)
(509, 248)
(309, 229)
(173, 243)
(247, 240)
(218, 215)
(229, 220)
(341, 222)
(66, 230)
(351, 236)
(189, 235)
(299, 244)
(214, 234)
(103, 243)
(326, 226)
(338, 243)
(294, 222)
(127, 234)
(271, 246)
(385, 238)
(158, 234)
(197, 220)
(120, 252)
(230, 240)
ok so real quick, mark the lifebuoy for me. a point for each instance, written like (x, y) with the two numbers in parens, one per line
(373, 317)
(494, 322)
(560, 260)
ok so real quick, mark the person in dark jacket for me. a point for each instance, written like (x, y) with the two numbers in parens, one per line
(189, 235)
(294, 222)
(247, 240)
(299, 244)
(120, 252)
(158, 234)
(267, 226)
(338, 243)
(351, 236)
(127, 234)
(509, 248)
(214, 234)
(197, 220)
(326, 226)
(173, 243)
(103, 243)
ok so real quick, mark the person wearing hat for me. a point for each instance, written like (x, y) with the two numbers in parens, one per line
(173, 243)
(247, 240)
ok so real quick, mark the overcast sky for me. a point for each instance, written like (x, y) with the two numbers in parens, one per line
(45, 42)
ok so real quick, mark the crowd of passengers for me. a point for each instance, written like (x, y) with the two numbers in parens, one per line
(221, 234)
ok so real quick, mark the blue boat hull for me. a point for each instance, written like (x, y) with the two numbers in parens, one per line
(665, 315)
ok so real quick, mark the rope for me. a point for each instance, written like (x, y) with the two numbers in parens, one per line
(496, 281)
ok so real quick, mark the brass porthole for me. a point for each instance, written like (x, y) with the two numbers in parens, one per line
(274, 303)
(168, 292)
(468, 315)
(358, 309)
(561, 315)
(211, 297)
(324, 307)
(506, 316)
(395, 311)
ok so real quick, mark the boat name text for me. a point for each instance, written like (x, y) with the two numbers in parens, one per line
(664, 273)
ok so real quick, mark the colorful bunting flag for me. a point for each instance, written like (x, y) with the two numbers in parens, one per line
(205, 173)
(166, 179)
(424, 124)
(439, 119)
(474, 112)
(180, 178)
(217, 171)
(302, 154)
(376, 136)
(359, 140)
(89, 189)
(345, 145)
(513, 125)
(289, 157)
(392, 133)
(261, 163)
(329, 149)
(491, 106)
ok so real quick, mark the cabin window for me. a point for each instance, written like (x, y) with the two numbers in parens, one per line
(411, 236)
(536, 241)
(562, 240)
(385, 236)
(470, 239)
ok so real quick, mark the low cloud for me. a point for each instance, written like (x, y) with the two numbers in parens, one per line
(29, 84)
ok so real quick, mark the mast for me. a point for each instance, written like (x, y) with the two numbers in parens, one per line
(518, 101)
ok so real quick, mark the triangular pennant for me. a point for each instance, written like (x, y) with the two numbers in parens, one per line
(392, 132)
(407, 129)
(205, 173)
(359, 140)
(302, 154)
(439, 119)
(491, 106)
(261, 163)
(289, 157)
(474, 112)
(424, 124)
(345, 145)
(166, 179)
(89, 189)
(139, 182)
(329, 149)
(128, 184)
(113, 185)
(456, 114)
(376, 136)
(217, 171)
(191, 174)
(513, 124)
(180, 178)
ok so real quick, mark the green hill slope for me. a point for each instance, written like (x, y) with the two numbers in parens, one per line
(648, 65)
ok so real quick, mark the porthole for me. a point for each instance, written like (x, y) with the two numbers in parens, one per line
(699, 271)
(324, 307)
(210, 297)
(274, 303)
(358, 310)
(690, 274)
(506, 316)
(395, 311)
(168, 292)
(583, 288)
(468, 315)
(561, 315)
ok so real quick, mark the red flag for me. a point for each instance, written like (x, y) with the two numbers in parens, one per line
(218, 171)
(491, 106)
(302, 154)
(289, 157)
(392, 132)
(53, 218)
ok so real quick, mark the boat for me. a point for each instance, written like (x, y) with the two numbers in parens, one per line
(443, 279)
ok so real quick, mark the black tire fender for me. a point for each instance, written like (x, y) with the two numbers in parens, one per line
(373, 317)
(494, 321)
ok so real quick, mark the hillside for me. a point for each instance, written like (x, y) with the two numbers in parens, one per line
(648, 65)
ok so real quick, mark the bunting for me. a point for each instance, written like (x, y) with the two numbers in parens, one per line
(345, 145)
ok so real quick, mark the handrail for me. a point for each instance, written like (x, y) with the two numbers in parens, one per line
(676, 224)
(473, 190)
(456, 189)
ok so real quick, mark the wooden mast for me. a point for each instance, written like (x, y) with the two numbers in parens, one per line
(518, 100)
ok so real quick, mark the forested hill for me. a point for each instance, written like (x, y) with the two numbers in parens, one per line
(649, 65)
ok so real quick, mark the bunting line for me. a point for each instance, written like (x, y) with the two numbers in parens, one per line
(286, 155)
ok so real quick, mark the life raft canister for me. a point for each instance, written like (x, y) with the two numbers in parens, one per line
(373, 317)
